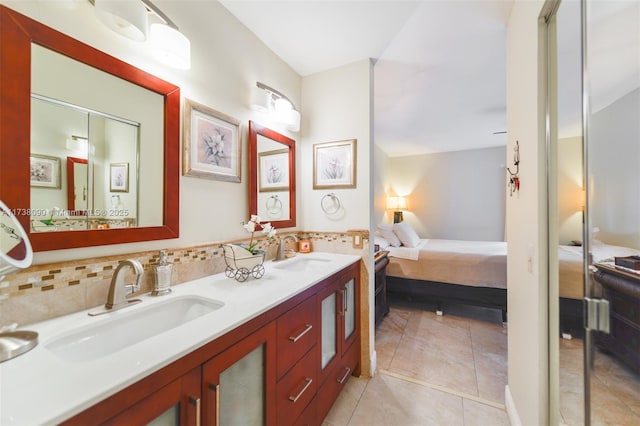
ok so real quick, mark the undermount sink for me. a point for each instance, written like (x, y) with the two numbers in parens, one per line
(304, 263)
(126, 328)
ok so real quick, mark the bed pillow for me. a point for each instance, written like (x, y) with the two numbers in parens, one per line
(406, 234)
(386, 230)
(382, 242)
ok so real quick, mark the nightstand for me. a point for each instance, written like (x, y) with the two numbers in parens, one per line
(381, 304)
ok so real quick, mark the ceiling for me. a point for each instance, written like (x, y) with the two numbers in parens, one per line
(439, 75)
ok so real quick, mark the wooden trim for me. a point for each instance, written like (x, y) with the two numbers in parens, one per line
(17, 32)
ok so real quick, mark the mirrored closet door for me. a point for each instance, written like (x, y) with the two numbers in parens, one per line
(594, 211)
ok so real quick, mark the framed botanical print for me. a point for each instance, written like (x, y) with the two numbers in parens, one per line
(334, 165)
(273, 170)
(119, 177)
(211, 144)
(45, 171)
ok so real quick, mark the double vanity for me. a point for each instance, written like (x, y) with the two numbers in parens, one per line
(275, 350)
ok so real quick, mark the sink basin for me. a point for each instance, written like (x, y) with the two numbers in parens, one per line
(304, 263)
(127, 328)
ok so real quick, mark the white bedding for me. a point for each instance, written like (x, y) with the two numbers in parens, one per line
(571, 273)
(473, 263)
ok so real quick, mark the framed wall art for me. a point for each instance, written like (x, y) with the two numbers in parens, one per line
(119, 177)
(273, 170)
(334, 165)
(211, 144)
(45, 171)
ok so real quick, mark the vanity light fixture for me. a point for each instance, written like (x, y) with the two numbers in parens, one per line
(271, 101)
(130, 18)
(127, 18)
(78, 144)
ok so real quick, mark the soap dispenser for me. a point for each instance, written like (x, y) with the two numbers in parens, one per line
(163, 275)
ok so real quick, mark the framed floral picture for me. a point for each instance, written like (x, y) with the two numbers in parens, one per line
(211, 144)
(273, 170)
(334, 165)
(45, 171)
(119, 177)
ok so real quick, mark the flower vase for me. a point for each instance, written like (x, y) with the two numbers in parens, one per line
(242, 263)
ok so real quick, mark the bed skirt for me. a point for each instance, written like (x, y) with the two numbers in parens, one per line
(440, 293)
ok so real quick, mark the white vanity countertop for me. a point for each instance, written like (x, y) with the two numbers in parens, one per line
(40, 388)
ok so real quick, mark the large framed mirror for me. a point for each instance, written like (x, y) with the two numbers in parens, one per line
(272, 176)
(86, 140)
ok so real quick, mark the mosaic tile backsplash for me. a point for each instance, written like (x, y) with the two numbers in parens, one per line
(43, 292)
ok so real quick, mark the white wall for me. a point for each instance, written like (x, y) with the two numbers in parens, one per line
(336, 106)
(526, 394)
(614, 172)
(227, 60)
(457, 195)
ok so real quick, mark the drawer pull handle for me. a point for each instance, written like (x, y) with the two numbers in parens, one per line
(346, 374)
(305, 331)
(306, 386)
(196, 401)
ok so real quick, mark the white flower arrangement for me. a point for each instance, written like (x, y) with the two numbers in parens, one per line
(253, 225)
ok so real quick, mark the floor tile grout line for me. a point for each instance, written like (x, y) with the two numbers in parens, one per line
(473, 354)
(444, 389)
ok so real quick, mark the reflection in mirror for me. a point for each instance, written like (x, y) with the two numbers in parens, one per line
(92, 142)
(271, 176)
(15, 249)
(594, 210)
(77, 74)
(77, 183)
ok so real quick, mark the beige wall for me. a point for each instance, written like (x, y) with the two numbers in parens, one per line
(527, 391)
(458, 195)
(336, 105)
(381, 187)
(570, 200)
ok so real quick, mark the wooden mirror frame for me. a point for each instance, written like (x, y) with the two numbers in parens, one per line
(17, 32)
(71, 190)
(256, 129)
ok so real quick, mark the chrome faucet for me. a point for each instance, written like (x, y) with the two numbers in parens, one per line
(118, 290)
(283, 241)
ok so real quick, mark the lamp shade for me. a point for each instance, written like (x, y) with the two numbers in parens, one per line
(170, 46)
(127, 18)
(396, 203)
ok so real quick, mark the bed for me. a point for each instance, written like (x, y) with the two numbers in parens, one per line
(440, 271)
(571, 281)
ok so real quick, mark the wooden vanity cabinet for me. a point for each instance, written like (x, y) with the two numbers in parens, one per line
(238, 384)
(177, 403)
(267, 371)
(339, 319)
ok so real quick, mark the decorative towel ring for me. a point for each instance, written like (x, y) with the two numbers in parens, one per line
(275, 206)
(330, 204)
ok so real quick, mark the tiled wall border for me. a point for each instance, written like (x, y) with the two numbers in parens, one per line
(45, 291)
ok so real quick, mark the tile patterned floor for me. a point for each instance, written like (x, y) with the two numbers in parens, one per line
(432, 370)
(615, 389)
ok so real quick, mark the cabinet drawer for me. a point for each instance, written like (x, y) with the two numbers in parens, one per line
(309, 416)
(296, 334)
(336, 381)
(626, 307)
(296, 389)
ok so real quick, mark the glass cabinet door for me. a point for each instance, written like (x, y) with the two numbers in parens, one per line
(329, 337)
(349, 308)
(236, 382)
(241, 394)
